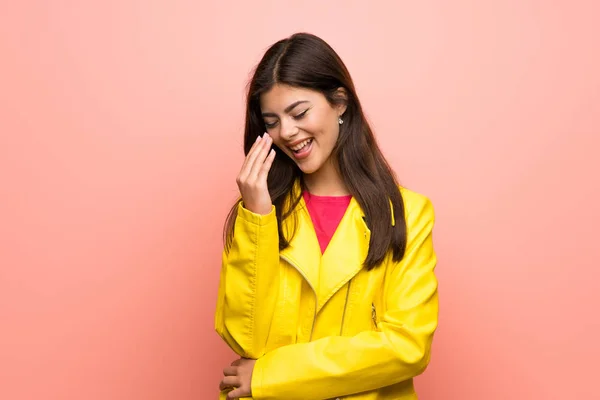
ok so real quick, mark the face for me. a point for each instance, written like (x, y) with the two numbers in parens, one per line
(302, 123)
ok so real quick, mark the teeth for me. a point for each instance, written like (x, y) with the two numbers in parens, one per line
(299, 146)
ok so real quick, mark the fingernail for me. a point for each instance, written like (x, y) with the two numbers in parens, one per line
(258, 138)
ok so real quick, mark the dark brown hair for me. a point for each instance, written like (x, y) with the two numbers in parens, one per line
(304, 60)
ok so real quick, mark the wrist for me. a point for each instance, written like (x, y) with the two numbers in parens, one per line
(256, 380)
(255, 218)
(260, 211)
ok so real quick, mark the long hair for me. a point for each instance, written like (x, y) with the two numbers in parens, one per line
(306, 61)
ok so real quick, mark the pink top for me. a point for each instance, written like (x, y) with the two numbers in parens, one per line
(326, 212)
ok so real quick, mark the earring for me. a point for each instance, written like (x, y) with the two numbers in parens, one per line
(340, 120)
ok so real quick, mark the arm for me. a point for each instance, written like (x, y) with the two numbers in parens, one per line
(249, 283)
(400, 350)
(250, 268)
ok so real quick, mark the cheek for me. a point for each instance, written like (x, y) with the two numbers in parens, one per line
(329, 134)
(322, 128)
(277, 143)
(274, 134)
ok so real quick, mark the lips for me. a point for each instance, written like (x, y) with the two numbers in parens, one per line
(301, 150)
(300, 146)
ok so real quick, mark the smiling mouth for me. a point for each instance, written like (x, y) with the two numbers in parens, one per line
(301, 146)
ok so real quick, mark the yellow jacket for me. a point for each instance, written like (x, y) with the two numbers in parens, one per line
(321, 326)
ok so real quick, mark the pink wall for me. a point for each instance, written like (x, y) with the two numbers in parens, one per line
(120, 140)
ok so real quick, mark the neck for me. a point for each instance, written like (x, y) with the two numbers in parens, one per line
(327, 181)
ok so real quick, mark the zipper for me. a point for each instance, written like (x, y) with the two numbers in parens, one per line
(374, 314)
(312, 328)
(345, 305)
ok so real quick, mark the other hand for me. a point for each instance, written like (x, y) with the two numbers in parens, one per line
(239, 377)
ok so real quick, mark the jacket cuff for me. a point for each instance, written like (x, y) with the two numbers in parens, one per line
(257, 378)
(257, 219)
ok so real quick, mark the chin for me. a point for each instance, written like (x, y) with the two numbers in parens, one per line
(308, 168)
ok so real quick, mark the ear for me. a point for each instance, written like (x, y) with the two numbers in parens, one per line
(341, 96)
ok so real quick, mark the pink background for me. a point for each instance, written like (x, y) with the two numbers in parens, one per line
(120, 126)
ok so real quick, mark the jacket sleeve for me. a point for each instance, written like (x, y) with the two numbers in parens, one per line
(397, 351)
(249, 283)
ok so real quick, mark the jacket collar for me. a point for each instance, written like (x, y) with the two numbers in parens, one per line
(343, 258)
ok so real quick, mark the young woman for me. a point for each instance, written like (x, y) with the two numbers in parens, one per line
(327, 286)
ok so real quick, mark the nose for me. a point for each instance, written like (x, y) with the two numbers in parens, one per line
(288, 129)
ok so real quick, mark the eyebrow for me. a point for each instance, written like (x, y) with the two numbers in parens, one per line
(287, 109)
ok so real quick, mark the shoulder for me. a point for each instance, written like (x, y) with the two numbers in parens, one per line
(413, 199)
(418, 208)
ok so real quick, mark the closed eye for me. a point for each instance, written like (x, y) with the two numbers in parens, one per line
(270, 125)
(301, 115)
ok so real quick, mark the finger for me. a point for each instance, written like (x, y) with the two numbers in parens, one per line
(236, 394)
(247, 160)
(261, 151)
(229, 382)
(237, 362)
(252, 157)
(266, 167)
(230, 371)
(261, 157)
(256, 143)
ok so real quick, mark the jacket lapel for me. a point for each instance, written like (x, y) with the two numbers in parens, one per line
(345, 254)
(303, 252)
(342, 259)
